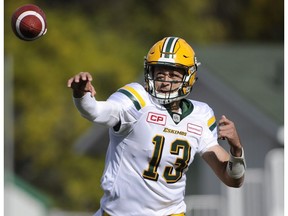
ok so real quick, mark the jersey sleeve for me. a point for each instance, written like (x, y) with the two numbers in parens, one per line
(122, 107)
(102, 112)
(132, 98)
(209, 137)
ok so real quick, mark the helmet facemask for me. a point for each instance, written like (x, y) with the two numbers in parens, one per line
(175, 93)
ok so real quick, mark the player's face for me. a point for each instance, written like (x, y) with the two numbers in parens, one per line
(167, 79)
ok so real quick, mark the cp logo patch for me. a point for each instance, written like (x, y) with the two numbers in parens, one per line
(156, 118)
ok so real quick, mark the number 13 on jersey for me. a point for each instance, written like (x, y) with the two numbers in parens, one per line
(173, 173)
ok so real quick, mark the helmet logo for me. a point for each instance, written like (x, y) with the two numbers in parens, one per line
(168, 47)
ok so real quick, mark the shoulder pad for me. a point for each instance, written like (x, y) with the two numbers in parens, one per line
(136, 93)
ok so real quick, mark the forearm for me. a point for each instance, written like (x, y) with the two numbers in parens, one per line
(102, 112)
(229, 169)
(232, 180)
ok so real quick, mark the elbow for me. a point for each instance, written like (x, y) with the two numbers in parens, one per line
(235, 183)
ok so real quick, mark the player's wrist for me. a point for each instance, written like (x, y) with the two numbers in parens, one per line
(236, 165)
(236, 151)
(78, 94)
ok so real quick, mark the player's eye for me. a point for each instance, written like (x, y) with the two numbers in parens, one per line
(175, 75)
(160, 76)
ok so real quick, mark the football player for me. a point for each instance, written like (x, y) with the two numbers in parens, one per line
(155, 132)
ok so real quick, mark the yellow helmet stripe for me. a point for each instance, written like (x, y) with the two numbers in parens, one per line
(168, 47)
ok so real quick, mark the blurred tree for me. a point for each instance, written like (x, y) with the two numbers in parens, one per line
(252, 20)
(244, 20)
(148, 21)
(264, 20)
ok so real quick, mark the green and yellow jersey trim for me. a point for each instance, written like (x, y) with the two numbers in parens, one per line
(134, 96)
(212, 123)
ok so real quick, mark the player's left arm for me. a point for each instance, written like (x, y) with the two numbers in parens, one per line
(229, 167)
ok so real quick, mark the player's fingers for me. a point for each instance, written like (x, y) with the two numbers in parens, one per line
(86, 76)
(224, 128)
(72, 80)
(224, 121)
(92, 90)
(69, 82)
(222, 132)
(227, 127)
(228, 132)
(82, 76)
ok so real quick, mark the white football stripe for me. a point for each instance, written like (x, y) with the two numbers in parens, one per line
(33, 13)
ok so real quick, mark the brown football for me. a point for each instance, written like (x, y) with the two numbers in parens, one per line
(29, 22)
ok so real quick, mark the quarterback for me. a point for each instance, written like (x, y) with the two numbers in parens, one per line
(155, 132)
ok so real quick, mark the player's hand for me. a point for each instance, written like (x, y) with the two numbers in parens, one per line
(81, 84)
(227, 130)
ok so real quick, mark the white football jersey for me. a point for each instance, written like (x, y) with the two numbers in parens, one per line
(150, 153)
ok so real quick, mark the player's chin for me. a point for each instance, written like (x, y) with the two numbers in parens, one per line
(163, 92)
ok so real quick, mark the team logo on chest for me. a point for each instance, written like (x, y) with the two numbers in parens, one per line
(156, 118)
(176, 117)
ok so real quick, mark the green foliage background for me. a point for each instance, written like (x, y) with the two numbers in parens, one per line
(109, 39)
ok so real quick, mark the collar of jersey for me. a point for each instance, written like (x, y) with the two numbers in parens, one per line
(186, 106)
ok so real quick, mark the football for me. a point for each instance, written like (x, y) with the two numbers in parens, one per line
(29, 22)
